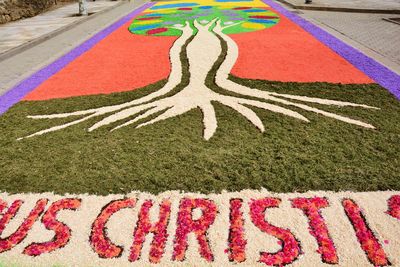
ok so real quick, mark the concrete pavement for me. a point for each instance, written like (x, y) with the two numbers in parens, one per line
(370, 33)
(27, 62)
(363, 6)
(16, 34)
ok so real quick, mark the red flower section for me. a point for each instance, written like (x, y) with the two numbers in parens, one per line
(62, 232)
(312, 209)
(369, 243)
(264, 17)
(159, 230)
(290, 246)
(241, 8)
(157, 30)
(186, 225)
(10, 212)
(99, 241)
(237, 241)
(20, 234)
(394, 207)
(149, 18)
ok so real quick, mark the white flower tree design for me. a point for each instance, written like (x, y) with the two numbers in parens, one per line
(202, 28)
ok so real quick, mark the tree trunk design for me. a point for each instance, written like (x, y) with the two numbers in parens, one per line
(202, 53)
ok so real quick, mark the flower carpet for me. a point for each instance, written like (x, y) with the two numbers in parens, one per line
(198, 133)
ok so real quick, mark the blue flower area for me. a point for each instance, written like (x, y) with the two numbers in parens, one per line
(262, 21)
(145, 27)
(205, 7)
(255, 10)
(174, 5)
(154, 15)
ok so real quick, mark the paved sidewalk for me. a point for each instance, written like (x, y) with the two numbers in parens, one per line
(27, 62)
(366, 31)
(373, 6)
(24, 31)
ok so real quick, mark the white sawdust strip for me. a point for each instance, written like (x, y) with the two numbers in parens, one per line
(78, 251)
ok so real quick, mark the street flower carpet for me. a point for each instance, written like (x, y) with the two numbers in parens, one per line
(203, 132)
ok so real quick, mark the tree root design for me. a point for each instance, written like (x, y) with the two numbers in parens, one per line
(222, 81)
(202, 52)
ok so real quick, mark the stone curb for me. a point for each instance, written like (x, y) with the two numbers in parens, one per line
(13, 51)
(340, 9)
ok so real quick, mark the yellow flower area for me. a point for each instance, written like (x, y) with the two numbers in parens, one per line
(251, 25)
(145, 22)
(221, 4)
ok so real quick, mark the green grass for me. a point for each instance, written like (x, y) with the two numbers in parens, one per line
(290, 155)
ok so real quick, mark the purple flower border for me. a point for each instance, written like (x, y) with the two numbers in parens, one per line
(20, 90)
(376, 71)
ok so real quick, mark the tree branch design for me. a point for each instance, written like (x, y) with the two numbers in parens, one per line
(202, 52)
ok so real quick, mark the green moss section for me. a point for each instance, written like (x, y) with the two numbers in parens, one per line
(290, 155)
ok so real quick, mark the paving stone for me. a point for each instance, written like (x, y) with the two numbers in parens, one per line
(26, 30)
(25, 63)
(352, 4)
(370, 30)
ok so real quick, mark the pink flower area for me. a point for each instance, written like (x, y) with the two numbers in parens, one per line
(394, 207)
(159, 229)
(312, 209)
(290, 246)
(62, 231)
(186, 224)
(20, 234)
(237, 241)
(100, 243)
(369, 243)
